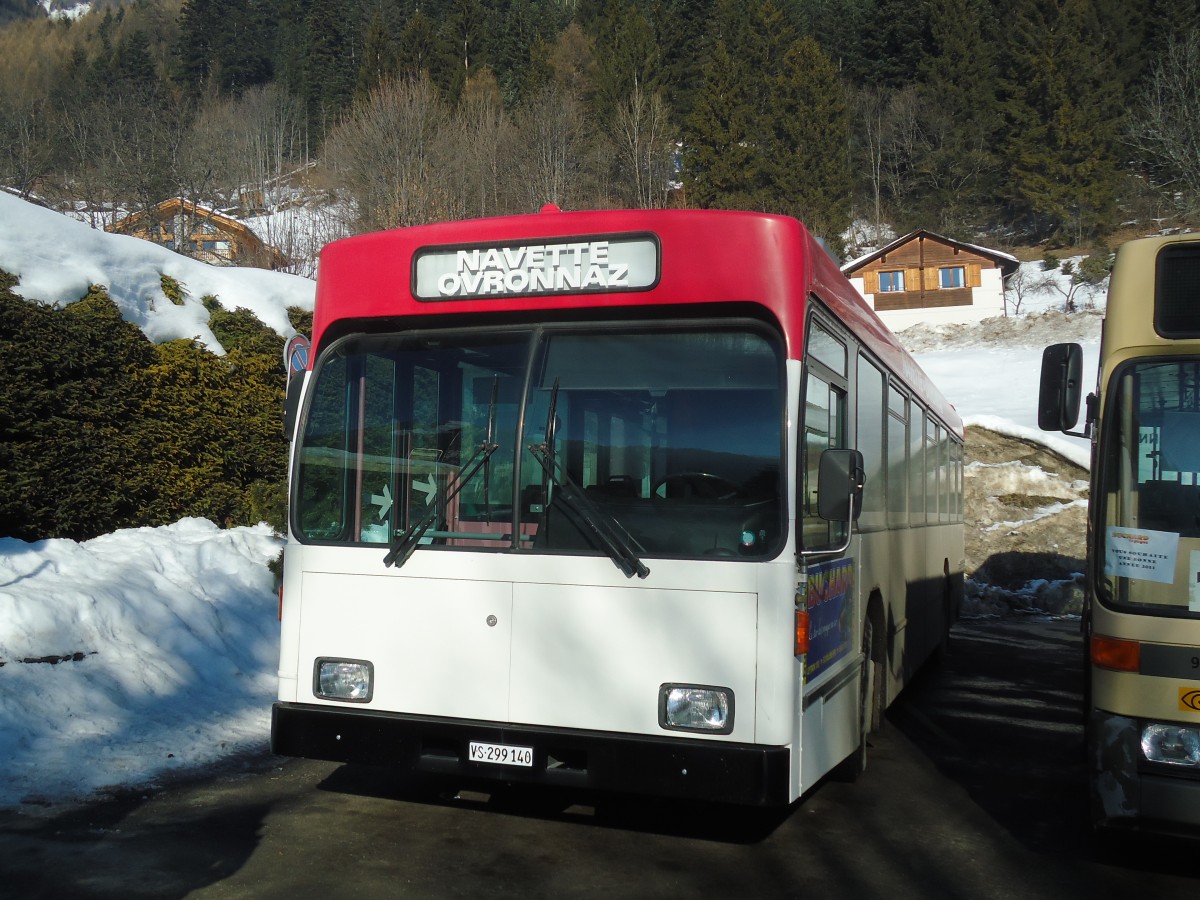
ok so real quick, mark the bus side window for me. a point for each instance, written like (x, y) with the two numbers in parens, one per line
(869, 434)
(824, 428)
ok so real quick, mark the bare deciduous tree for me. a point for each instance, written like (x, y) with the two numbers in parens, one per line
(482, 141)
(1019, 285)
(386, 154)
(871, 117)
(554, 135)
(647, 147)
(1085, 280)
(26, 144)
(140, 137)
(1164, 126)
(889, 145)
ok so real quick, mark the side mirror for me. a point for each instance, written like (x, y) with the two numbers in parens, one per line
(291, 405)
(1061, 387)
(840, 485)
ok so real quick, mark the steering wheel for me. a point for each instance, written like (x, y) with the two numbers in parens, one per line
(695, 486)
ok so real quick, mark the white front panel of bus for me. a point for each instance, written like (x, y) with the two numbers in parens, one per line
(595, 657)
(439, 646)
(558, 655)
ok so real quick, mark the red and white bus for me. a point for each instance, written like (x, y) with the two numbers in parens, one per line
(635, 501)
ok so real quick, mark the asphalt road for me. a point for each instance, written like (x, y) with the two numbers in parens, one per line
(973, 789)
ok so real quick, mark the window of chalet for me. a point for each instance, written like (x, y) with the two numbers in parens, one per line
(891, 281)
(952, 277)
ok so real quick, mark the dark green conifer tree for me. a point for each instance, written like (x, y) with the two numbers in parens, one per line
(415, 50)
(291, 37)
(682, 36)
(511, 50)
(770, 130)
(627, 56)
(720, 157)
(891, 44)
(1137, 31)
(839, 27)
(68, 398)
(225, 44)
(812, 178)
(463, 45)
(379, 57)
(330, 63)
(1062, 115)
(132, 62)
(961, 118)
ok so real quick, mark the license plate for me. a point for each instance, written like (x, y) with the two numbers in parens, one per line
(500, 754)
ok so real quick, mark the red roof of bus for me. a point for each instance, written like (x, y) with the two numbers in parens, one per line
(707, 256)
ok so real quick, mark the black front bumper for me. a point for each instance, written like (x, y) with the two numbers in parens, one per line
(711, 771)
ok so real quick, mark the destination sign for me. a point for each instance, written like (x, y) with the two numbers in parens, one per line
(599, 265)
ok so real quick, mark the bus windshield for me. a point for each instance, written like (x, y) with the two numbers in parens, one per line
(673, 436)
(1150, 489)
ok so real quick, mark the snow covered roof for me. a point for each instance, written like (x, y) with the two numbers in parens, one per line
(246, 244)
(1006, 262)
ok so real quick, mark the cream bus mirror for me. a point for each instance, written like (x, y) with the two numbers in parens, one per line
(1061, 387)
(840, 485)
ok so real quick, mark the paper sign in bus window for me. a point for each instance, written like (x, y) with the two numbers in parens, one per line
(1141, 554)
(1194, 585)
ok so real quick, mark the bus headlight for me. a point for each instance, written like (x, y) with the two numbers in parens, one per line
(350, 680)
(695, 707)
(1172, 745)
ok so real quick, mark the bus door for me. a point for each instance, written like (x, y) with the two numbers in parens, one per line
(827, 588)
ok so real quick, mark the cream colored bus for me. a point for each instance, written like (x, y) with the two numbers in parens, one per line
(1142, 614)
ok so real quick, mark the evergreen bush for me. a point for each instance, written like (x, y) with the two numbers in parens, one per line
(101, 429)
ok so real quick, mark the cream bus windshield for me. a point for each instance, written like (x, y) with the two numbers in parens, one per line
(1150, 480)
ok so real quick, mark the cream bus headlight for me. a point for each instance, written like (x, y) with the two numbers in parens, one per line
(350, 680)
(695, 707)
(1173, 745)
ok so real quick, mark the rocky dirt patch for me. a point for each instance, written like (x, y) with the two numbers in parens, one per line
(1025, 509)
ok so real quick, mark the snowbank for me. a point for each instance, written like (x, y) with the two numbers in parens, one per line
(132, 654)
(58, 259)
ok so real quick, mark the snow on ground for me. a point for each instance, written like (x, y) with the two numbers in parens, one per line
(996, 387)
(132, 655)
(149, 651)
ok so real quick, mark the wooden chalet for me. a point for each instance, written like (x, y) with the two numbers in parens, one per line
(924, 277)
(201, 233)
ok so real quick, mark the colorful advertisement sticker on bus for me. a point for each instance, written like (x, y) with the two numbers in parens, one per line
(830, 615)
(601, 265)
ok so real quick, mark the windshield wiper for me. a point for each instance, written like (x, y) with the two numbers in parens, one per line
(490, 438)
(602, 527)
(404, 546)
